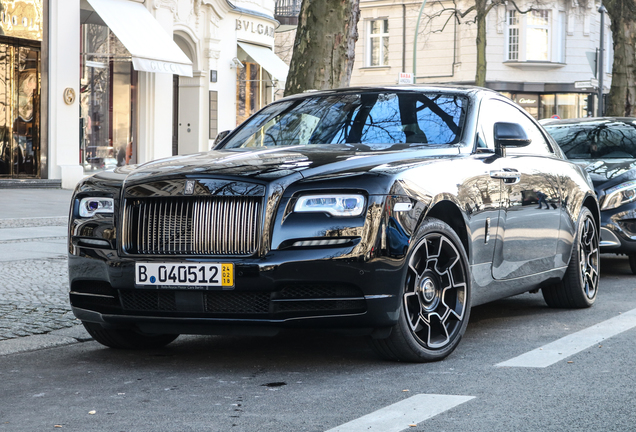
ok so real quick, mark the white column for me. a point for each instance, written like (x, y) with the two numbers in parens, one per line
(64, 72)
(155, 105)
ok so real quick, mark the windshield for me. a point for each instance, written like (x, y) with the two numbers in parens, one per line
(607, 140)
(367, 118)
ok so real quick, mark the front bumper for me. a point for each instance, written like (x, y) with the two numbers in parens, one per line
(618, 230)
(288, 288)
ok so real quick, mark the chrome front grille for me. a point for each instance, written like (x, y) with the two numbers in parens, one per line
(200, 225)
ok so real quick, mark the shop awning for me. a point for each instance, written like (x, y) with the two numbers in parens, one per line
(151, 47)
(267, 59)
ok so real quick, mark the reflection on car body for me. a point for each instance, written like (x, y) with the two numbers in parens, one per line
(381, 211)
(606, 148)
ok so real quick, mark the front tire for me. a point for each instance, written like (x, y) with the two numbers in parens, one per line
(579, 286)
(127, 339)
(435, 303)
(632, 262)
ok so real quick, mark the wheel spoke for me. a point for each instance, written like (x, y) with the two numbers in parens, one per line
(438, 335)
(412, 308)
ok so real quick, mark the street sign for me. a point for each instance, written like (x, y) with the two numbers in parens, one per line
(406, 78)
(591, 83)
(591, 59)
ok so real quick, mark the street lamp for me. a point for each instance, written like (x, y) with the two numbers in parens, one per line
(601, 55)
(417, 30)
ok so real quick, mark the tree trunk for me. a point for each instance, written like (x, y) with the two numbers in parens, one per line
(324, 48)
(480, 74)
(622, 96)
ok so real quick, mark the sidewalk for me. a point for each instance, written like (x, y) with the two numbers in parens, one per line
(34, 307)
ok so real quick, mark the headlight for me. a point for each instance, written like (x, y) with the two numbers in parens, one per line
(618, 195)
(90, 206)
(334, 204)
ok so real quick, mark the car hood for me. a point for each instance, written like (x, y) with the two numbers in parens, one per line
(299, 161)
(608, 172)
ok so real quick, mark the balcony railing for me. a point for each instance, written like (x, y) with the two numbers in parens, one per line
(286, 11)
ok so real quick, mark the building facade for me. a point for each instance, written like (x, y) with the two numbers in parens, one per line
(117, 82)
(543, 58)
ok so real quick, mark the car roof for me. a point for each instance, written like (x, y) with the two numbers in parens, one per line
(589, 121)
(465, 89)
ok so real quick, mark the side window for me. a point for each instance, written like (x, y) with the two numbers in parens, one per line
(493, 111)
(538, 146)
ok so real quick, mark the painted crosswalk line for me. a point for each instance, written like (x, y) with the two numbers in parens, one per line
(400, 415)
(572, 344)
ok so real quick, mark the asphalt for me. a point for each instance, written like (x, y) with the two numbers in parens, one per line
(34, 307)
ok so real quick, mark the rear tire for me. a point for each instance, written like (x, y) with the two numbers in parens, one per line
(579, 286)
(127, 339)
(435, 300)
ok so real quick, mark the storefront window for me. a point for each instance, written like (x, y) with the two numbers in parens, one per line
(107, 99)
(541, 106)
(570, 105)
(21, 27)
(547, 107)
(253, 84)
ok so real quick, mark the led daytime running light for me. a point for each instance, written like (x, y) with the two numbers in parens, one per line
(89, 207)
(335, 205)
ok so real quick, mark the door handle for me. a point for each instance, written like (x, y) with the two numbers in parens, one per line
(508, 175)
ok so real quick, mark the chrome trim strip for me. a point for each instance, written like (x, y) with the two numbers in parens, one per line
(92, 295)
(608, 239)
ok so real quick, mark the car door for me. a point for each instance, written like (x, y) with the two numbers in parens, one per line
(530, 215)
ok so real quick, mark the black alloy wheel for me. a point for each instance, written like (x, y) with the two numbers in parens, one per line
(435, 298)
(579, 286)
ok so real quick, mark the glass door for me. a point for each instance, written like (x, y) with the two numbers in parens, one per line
(19, 111)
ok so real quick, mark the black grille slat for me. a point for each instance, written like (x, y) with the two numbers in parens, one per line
(317, 291)
(145, 300)
(223, 225)
(237, 302)
(321, 305)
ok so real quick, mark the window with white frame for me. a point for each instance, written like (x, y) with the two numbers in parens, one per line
(538, 35)
(513, 35)
(529, 36)
(378, 43)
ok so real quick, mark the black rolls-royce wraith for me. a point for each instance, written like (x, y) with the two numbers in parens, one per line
(386, 211)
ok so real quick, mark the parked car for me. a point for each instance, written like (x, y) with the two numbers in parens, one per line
(606, 148)
(388, 212)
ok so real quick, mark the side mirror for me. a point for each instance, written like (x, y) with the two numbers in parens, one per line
(509, 135)
(220, 136)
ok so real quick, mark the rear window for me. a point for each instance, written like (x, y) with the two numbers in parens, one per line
(367, 118)
(607, 140)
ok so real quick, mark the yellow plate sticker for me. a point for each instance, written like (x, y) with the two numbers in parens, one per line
(227, 275)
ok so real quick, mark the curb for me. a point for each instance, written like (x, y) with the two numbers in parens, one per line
(56, 338)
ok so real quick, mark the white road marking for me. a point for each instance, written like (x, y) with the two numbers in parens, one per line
(400, 415)
(569, 345)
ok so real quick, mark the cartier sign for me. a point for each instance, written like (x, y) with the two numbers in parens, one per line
(256, 28)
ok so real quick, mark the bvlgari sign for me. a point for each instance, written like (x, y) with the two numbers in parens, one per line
(256, 28)
(21, 19)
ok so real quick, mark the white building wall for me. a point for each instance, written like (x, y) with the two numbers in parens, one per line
(435, 47)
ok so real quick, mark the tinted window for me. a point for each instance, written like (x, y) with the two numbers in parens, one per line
(593, 140)
(368, 118)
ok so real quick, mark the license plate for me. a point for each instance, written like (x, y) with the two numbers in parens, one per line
(192, 275)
